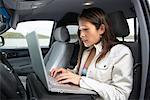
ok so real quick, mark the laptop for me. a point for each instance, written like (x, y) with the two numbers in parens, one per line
(40, 70)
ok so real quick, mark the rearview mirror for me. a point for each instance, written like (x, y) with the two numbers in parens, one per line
(2, 42)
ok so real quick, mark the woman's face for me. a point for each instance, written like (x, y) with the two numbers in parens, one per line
(89, 34)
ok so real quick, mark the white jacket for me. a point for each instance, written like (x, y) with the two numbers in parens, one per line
(112, 77)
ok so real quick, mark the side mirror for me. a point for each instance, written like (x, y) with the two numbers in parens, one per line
(2, 42)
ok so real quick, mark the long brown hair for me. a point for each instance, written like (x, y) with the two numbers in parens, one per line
(97, 17)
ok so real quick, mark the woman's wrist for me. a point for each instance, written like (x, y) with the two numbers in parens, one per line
(79, 80)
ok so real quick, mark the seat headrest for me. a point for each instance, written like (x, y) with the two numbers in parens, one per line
(119, 25)
(62, 34)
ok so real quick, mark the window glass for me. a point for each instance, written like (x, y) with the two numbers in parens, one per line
(16, 38)
(130, 37)
(73, 29)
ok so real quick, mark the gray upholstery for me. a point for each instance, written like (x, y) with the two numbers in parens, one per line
(119, 24)
(61, 34)
(60, 53)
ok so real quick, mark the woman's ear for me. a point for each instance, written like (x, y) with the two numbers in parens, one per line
(101, 29)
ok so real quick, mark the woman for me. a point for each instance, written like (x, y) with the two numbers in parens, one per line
(103, 65)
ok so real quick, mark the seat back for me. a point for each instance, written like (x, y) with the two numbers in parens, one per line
(60, 53)
(121, 29)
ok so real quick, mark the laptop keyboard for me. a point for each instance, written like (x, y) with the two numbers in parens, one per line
(69, 87)
(52, 81)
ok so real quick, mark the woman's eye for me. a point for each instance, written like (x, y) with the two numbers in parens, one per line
(85, 29)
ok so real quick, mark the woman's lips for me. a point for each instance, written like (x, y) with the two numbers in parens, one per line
(84, 40)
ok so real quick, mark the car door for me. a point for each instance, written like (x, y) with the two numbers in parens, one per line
(146, 9)
(142, 8)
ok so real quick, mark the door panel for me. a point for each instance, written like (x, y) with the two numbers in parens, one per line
(20, 60)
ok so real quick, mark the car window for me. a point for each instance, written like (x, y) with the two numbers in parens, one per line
(73, 29)
(16, 38)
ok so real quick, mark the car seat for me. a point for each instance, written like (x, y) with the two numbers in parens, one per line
(60, 52)
(11, 87)
(120, 28)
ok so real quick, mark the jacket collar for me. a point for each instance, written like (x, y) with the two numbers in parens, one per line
(97, 46)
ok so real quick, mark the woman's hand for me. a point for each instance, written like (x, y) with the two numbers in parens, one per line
(65, 76)
(56, 71)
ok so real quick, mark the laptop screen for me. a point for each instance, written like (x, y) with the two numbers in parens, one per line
(36, 57)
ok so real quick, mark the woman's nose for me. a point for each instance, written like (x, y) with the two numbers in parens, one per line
(82, 34)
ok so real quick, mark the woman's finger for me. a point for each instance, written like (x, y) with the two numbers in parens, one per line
(65, 81)
(63, 77)
(52, 72)
(59, 71)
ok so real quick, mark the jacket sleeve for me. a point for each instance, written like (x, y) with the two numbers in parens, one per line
(121, 83)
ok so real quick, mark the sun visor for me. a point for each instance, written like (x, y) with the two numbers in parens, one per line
(24, 4)
(23, 8)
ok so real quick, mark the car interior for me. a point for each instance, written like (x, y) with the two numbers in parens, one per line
(15, 63)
